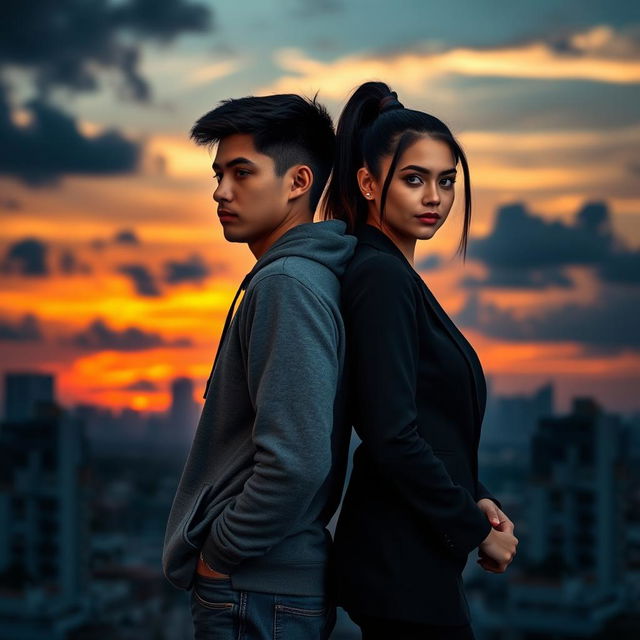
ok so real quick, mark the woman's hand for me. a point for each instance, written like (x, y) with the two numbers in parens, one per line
(495, 515)
(499, 547)
(205, 570)
(497, 551)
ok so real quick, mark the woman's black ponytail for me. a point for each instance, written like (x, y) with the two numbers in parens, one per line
(343, 199)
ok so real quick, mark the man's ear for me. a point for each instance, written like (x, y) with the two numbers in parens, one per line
(301, 180)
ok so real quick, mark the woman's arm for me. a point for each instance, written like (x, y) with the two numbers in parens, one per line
(380, 312)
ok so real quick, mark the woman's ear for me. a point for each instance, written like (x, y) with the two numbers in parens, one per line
(301, 180)
(367, 183)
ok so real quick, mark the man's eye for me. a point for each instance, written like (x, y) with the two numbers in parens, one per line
(217, 176)
(242, 173)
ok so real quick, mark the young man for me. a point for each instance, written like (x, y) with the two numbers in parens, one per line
(247, 528)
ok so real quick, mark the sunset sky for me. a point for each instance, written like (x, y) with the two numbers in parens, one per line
(115, 275)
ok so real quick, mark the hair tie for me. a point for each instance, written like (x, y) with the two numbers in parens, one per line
(390, 102)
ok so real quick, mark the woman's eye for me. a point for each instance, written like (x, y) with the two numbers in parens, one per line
(450, 182)
(414, 179)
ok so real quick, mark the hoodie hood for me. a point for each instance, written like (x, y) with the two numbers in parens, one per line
(325, 242)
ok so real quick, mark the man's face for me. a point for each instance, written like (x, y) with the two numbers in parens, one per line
(252, 199)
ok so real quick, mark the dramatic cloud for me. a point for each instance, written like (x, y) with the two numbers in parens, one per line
(429, 263)
(126, 236)
(99, 337)
(607, 324)
(526, 251)
(142, 279)
(141, 385)
(69, 263)
(11, 204)
(51, 145)
(193, 269)
(68, 44)
(622, 266)
(602, 41)
(576, 57)
(25, 330)
(26, 257)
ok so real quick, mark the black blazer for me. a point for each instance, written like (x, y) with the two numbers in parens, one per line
(417, 396)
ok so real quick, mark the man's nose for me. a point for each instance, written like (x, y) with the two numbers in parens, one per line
(222, 192)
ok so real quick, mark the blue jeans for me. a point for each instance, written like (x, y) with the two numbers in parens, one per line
(221, 612)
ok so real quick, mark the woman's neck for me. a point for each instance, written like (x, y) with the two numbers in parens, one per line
(407, 245)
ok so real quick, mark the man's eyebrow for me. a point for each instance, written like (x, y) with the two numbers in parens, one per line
(233, 163)
(419, 169)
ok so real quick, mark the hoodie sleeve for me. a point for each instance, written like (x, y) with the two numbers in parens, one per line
(291, 347)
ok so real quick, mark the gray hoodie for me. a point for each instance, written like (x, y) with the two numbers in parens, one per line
(265, 471)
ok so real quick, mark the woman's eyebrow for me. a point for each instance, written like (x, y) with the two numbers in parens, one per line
(419, 169)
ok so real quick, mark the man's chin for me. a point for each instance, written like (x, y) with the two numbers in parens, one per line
(233, 235)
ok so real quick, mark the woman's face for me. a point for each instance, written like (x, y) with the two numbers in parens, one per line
(420, 193)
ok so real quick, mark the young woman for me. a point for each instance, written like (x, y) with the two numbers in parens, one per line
(414, 507)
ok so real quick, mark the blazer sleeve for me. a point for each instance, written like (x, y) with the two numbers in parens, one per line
(483, 492)
(380, 309)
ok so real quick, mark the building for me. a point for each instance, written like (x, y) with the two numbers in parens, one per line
(44, 526)
(510, 421)
(570, 576)
(24, 392)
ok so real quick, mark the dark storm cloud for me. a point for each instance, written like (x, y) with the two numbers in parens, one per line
(51, 145)
(126, 236)
(69, 263)
(98, 244)
(99, 337)
(68, 44)
(518, 278)
(429, 263)
(608, 324)
(523, 241)
(193, 269)
(141, 385)
(526, 251)
(26, 257)
(11, 204)
(25, 330)
(142, 279)
(622, 266)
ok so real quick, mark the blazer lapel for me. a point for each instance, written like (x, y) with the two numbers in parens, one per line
(371, 235)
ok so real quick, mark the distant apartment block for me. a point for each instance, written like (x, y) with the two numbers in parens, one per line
(44, 521)
(24, 392)
(570, 578)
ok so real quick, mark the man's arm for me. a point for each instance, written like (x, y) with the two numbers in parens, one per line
(291, 344)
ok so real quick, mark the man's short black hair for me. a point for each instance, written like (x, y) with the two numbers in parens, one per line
(286, 127)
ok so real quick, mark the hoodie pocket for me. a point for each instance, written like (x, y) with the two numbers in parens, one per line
(197, 523)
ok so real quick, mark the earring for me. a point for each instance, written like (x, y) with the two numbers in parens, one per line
(368, 195)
